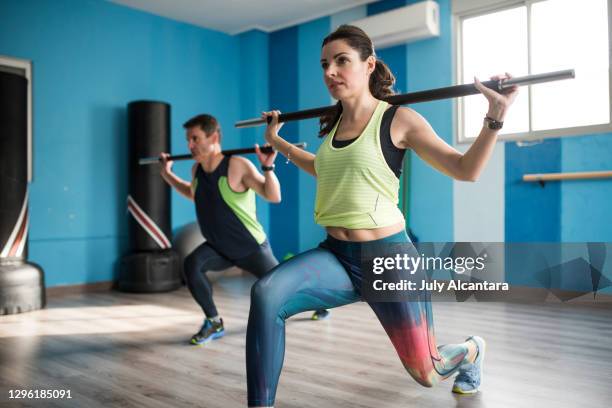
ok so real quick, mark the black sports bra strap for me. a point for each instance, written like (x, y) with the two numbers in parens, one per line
(394, 156)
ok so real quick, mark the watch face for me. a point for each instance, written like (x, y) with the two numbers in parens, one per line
(493, 124)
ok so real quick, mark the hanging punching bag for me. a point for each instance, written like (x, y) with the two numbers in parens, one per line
(152, 265)
(21, 284)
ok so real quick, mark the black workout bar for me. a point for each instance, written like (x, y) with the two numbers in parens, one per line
(425, 96)
(245, 150)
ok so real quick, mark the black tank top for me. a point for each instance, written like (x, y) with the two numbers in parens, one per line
(394, 156)
(219, 224)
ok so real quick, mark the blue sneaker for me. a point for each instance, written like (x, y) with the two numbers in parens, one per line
(470, 375)
(320, 314)
(210, 330)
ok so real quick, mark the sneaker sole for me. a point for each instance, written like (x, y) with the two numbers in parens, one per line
(317, 317)
(458, 390)
(208, 339)
(482, 357)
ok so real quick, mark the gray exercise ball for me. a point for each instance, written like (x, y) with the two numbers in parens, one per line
(187, 238)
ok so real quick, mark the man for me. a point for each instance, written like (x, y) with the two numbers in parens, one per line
(223, 189)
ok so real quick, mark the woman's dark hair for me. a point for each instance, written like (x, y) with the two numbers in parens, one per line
(207, 123)
(381, 80)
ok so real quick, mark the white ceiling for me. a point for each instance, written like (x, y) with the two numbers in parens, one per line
(236, 16)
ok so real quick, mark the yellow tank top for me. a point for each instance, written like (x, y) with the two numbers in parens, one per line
(356, 189)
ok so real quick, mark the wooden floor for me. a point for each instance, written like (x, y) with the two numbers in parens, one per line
(124, 350)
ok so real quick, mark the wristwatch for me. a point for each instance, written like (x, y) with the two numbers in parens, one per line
(492, 123)
(267, 168)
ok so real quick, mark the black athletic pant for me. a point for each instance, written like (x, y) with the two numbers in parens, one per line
(204, 258)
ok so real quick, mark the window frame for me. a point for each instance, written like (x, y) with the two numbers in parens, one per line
(530, 135)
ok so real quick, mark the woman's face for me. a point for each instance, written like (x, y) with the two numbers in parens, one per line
(344, 73)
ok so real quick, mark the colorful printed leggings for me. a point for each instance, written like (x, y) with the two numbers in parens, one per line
(327, 277)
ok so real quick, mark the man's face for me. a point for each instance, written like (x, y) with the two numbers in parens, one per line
(200, 144)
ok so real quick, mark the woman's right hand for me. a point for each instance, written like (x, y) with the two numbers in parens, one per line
(499, 102)
(273, 126)
(166, 165)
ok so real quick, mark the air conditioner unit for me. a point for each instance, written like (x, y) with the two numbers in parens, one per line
(402, 25)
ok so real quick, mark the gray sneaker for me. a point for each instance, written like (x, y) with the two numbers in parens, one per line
(470, 375)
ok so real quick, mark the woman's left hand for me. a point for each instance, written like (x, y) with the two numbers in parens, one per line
(499, 103)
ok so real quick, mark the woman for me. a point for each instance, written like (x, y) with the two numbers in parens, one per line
(357, 169)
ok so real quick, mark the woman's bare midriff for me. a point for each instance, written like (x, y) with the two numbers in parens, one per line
(362, 235)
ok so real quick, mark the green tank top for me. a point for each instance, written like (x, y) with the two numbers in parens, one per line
(356, 189)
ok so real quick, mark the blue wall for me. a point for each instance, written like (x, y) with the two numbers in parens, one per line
(283, 80)
(586, 205)
(532, 212)
(417, 66)
(90, 58)
(429, 65)
(311, 92)
(254, 96)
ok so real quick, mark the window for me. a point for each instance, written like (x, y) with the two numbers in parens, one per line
(531, 37)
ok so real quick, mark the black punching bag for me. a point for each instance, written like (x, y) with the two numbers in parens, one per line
(152, 265)
(21, 284)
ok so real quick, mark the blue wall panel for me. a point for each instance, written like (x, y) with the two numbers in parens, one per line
(90, 58)
(254, 97)
(312, 93)
(283, 82)
(429, 65)
(586, 205)
(532, 212)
